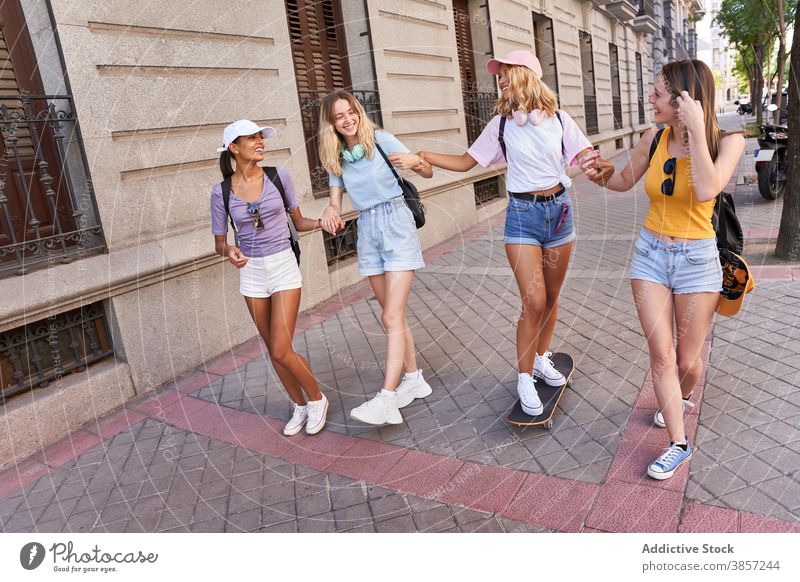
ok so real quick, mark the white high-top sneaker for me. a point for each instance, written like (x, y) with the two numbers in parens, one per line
(413, 386)
(295, 424)
(529, 398)
(544, 369)
(317, 413)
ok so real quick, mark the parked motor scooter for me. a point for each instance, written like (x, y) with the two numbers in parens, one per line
(770, 158)
(744, 108)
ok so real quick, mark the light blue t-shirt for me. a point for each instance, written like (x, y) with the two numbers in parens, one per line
(370, 182)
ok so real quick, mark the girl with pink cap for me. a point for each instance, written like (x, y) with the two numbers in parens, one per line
(536, 140)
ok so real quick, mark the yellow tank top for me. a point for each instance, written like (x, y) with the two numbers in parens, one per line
(680, 215)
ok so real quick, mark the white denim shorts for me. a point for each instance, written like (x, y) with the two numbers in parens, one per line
(263, 276)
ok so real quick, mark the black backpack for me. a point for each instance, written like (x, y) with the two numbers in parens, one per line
(724, 220)
(272, 175)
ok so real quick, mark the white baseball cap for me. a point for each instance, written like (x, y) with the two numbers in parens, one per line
(242, 127)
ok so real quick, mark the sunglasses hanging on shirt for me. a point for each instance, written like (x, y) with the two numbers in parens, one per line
(668, 185)
(252, 209)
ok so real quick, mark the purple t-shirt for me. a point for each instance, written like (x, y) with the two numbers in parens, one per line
(274, 237)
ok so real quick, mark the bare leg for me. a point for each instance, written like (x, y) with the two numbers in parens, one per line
(285, 305)
(378, 283)
(526, 262)
(554, 267)
(654, 304)
(397, 287)
(693, 313)
(260, 311)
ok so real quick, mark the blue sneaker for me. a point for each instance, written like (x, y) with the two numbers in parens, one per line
(672, 458)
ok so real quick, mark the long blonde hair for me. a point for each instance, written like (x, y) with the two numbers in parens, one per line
(694, 77)
(331, 141)
(525, 91)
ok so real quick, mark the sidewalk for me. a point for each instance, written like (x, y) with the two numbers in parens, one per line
(206, 453)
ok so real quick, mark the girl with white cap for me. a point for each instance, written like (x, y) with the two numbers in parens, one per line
(269, 276)
(536, 140)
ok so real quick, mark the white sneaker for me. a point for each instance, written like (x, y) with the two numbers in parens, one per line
(295, 424)
(317, 413)
(529, 398)
(658, 418)
(413, 386)
(380, 410)
(543, 368)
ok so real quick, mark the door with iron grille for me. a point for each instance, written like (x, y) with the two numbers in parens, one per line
(34, 202)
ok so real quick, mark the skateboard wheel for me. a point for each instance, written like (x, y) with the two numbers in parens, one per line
(548, 425)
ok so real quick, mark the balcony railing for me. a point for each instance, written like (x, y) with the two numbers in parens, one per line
(486, 190)
(310, 102)
(478, 110)
(48, 213)
(33, 355)
(343, 244)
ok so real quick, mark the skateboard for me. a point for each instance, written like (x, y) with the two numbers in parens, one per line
(549, 396)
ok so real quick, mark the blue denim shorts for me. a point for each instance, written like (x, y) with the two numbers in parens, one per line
(688, 267)
(544, 224)
(387, 239)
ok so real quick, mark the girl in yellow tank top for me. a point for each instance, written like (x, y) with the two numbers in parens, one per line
(675, 271)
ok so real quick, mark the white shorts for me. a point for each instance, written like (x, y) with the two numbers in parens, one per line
(263, 276)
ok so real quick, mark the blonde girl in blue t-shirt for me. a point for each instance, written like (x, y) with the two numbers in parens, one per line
(388, 247)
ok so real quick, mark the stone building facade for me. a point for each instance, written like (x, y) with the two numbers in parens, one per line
(109, 280)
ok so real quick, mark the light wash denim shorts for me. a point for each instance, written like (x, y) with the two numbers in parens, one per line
(683, 267)
(387, 239)
(544, 224)
(263, 276)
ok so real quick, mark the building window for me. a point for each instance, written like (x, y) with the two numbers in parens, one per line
(616, 92)
(319, 40)
(36, 354)
(478, 89)
(640, 88)
(486, 190)
(545, 43)
(342, 245)
(48, 213)
(589, 90)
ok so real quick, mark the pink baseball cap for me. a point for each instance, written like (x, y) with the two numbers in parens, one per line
(520, 58)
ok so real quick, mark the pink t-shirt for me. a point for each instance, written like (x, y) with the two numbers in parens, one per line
(535, 160)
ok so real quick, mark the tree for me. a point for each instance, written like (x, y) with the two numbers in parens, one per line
(785, 10)
(788, 247)
(751, 27)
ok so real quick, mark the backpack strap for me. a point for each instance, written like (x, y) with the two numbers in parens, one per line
(501, 138)
(654, 144)
(272, 173)
(226, 201)
(274, 177)
(388, 163)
